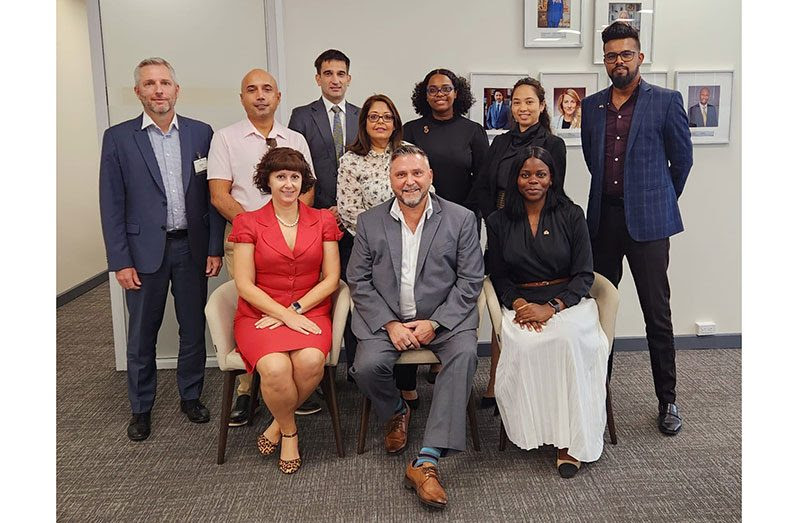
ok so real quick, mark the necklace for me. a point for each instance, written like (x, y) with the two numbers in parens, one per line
(287, 224)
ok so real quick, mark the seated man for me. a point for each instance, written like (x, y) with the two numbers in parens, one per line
(415, 274)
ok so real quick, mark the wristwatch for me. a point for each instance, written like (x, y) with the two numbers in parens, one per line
(555, 305)
(297, 307)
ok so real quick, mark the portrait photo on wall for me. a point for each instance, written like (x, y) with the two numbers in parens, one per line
(639, 15)
(564, 95)
(707, 99)
(553, 23)
(492, 109)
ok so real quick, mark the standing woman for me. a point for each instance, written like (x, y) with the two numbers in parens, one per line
(532, 128)
(570, 109)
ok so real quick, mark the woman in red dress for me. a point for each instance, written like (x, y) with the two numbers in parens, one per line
(286, 267)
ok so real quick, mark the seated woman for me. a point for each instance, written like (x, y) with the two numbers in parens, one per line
(550, 379)
(282, 325)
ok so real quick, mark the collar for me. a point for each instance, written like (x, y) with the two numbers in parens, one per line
(278, 129)
(328, 105)
(146, 121)
(396, 211)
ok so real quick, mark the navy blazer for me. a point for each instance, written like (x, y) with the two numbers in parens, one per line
(312, 122)
(133, 199)
(659, 155)
(497, 118)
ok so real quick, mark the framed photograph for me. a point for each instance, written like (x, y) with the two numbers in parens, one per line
(492, 108)
(639, 14)
(553, 23)
(659, 78)
(564, 95)
(708, 101)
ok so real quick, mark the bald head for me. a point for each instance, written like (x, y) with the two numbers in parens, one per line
(703, 95)
(259, 95)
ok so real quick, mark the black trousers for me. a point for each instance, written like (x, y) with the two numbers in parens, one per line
(648, 262)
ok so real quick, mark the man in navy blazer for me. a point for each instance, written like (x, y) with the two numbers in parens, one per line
(636, 143)
(498, 116)
(159, 228)
(703, 114)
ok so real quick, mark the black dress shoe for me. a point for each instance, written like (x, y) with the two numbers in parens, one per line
(486, 402)
(309, 407)
(195, 411)
(240, 413)
(669, 421)
(139, 427)
(431, 377)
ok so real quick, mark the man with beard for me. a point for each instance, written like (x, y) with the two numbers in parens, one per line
(160, 231)
(415, 274)
(636, 143)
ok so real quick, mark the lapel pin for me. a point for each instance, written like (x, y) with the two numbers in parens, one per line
(546, 232)
(601, 106)
(426, 130)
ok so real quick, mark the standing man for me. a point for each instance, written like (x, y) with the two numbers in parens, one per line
(703, 114)
(637, 147)
(159, 229)
(329, 124)
(415, 274)
(498, 116)
(235, 152)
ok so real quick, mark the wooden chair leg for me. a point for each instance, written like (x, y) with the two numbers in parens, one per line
(364, 424)
(502, 435)
(472, 420)
(328, 386)
(224, 416)
(254, 393)
(610, 416)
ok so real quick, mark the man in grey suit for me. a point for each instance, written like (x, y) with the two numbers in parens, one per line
(415, 274)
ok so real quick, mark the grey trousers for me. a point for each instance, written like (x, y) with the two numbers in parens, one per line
(446, 424)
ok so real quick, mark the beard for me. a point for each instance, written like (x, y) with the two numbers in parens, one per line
(159, 109)
(414, 201)
(620, 81)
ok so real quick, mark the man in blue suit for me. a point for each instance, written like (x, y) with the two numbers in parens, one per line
(703, 114)
(159, 228)
(498, 116)
(636, 143)
(329, 124)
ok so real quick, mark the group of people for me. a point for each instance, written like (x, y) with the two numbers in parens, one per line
(349, 192)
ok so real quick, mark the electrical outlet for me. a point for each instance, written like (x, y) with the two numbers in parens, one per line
(705, 328)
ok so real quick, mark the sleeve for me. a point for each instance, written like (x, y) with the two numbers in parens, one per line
(480, 196)
(219, 166)
(581, 259)
(350, 193)
(295, 122)
(506, 291)
(112, 206)
(329, 227)
(479, 149)
(243, 231)
(217, 221)
(678, 144)
(407, 133)
(558, 152)
(585, 135)
(302, 146)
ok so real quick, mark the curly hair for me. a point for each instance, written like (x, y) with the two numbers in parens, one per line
(462, 102)
(282, 159)
(514, 206)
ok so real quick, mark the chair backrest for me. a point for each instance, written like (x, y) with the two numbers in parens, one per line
(607, 299)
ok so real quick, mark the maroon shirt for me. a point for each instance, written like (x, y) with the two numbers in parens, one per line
(619, 121)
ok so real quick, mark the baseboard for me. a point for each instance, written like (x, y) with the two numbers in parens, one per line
(682, 342)
(80, 289)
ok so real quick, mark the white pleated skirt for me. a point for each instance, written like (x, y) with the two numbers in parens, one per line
(550, 385)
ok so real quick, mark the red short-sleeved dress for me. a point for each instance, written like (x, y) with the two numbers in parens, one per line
(285, 276)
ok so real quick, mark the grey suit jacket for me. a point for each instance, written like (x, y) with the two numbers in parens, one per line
(448, 274)
(312, 122)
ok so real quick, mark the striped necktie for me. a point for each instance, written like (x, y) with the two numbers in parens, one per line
(338, 132)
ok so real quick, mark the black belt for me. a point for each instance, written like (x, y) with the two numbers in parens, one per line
(177, 233)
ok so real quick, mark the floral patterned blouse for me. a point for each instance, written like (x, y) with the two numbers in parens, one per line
(363, 183)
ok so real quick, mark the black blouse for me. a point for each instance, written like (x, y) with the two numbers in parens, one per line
(560, 249)
(456, 149)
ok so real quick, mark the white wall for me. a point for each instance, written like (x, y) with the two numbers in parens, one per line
(393, 45)
(81, 254)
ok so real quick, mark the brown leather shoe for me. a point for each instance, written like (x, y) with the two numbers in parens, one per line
(424, 480)
(396, 436)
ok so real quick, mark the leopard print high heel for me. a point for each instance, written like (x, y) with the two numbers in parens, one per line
(289, 466)
(265, 446)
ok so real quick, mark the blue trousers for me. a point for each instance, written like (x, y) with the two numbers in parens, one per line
(146, 307)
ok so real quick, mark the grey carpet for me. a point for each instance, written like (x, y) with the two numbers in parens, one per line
(102, 476)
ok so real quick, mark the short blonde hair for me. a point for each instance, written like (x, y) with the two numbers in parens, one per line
(155, 60)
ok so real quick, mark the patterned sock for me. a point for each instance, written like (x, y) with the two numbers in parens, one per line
(428, 455)
(401, 407)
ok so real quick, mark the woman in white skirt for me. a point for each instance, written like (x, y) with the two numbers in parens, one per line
(550, 380)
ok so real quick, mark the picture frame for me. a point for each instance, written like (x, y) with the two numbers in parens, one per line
(562, 88)
(713, 89)
(553, 23)
(639, 13)
(483, 87)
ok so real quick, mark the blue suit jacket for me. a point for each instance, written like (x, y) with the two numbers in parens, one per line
(696, 120)
(133, 199)
(312, 122)
(659, 155)
(497, 117)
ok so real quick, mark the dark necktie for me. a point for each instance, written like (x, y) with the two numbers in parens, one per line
(338, 132)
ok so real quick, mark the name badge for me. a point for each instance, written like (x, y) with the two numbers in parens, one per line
(200, 165)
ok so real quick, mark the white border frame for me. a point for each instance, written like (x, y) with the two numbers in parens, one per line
(480, 82)
(600, 9)
(535, 36)
(551, 81)
(724, 78)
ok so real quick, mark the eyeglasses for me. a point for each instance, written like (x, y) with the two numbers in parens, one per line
(374, 117)
(433, 90)
(626, 56)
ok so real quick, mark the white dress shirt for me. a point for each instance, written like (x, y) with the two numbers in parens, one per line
(411, 242)
(331, 115)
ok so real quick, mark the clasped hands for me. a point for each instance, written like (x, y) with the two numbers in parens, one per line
(290, 319)
(411, 334)
(531, 315)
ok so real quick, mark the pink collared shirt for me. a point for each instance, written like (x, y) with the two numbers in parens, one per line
(237, 149)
